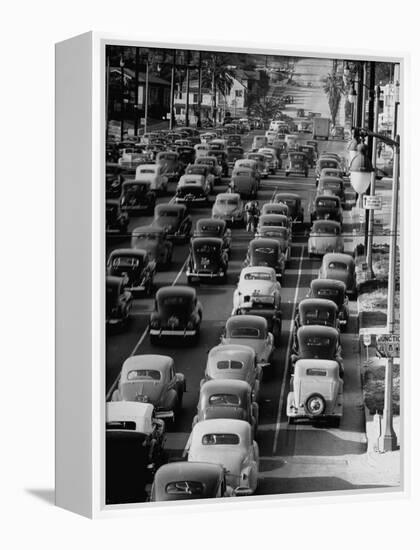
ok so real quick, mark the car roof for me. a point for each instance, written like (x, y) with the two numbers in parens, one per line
(170, 207)
(259, 268)
(316, 330)
(222, 425)
(240, 320)
(321, 303)
(338, 257)
(224, 386)
(329, 365)
(329, 283)
(165, 291)
(205, 472)
(123, 411)
(140, 362)
(287, 195)
(210, 222)
(147, 229)
(264, 241)
(208, 240)
(136, 252)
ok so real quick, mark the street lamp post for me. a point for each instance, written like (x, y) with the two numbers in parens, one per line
(173, 69)
(122, 97)
(146, 94)
(372, 186)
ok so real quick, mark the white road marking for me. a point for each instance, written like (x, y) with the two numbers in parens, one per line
(287, 359)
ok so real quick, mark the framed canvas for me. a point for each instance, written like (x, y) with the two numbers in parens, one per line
(228, 275)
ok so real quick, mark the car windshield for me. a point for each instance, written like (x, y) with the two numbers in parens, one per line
(227, 201)
(337, 265)
(257, 275)
(195, 488)
(228, 364)
(206, 161)
(209, 229)
(326, 230)
(220, 439)
(147, 171)
(265, 251)
(245, 332)
(143, 374)
(273, 223)
(181, 301)
(207, 248)
(125, 261)
(147, 236)
(168, 213)
(327, 203)
(328, 164)
(224, 399)
(318, 341)
(242, 173)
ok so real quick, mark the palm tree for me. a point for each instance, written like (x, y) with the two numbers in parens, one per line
(265, 107)
(334, 88)
(218, 76)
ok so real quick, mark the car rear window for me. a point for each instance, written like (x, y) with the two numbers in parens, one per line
(143, 374)
(245, 332)
(229, 365)
(227, 201)
(316, 372)
(124, 261)
(327, 203)
(220, 439)
(317, 341)
(127, 425)
(257, 276)
(168, 213)
(327, 292)
(224, 399)
(195, 488)
(317, 315)
(337, 265)
(147, 171)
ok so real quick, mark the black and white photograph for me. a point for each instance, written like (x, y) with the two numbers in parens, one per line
(252, 273)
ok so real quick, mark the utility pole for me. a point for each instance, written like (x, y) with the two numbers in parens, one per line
(122, 94)
(359, 111)
(187, 101)
(171, 116)
(146, 97)
(107, 95)
(371, 115)
(213, 89)
(136, 91)
(372, 185)
(200, 84)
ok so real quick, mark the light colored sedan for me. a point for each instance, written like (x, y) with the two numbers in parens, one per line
(325, 236)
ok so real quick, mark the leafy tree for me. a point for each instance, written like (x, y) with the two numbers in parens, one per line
(334, 88)
(265, 107)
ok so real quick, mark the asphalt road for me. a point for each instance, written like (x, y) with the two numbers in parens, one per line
(289, 454)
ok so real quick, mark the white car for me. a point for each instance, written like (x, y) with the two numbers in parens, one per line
(154, 174)
(256, 285)
(229, 207)
(227, 442)
(252, 331)
(139, 416)
(271, 135)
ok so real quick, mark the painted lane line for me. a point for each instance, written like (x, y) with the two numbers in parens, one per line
(287, 359)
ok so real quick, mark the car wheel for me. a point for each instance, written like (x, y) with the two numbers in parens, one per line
(315, 405)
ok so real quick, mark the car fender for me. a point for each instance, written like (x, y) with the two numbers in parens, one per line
(170, 399)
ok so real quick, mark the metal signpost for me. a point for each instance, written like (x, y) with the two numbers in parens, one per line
(372, 202)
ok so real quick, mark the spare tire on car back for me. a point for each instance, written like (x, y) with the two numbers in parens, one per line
(315, 405)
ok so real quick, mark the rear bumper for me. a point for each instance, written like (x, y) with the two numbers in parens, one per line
(204, 275)
(169, 332)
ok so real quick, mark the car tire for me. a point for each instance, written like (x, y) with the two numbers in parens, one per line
(315, 405)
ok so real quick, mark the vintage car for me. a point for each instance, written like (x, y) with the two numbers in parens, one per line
(331, 289)
(135, 267)
(201, 170)
(206, 137)
(214, 167)
(263, 251)
(274, 220)
(234, 153)
(245, 183)
(318, 342)
(201, 150)
(297, 163)
(262, 164)
(218, 144)
(313, 143)
(271, 157)
(325, 162)
(325, 236)
(314, 311)
(131, 157)
(328, 185)
(327, 207)
(258, 293)
(170, 164)
(186, 155)
(340, 267)
(227, 442)
(294, 203)
(118, 301)
(234, 362)
(258, 142)
(210, 227)
(182, 143)
(152, 379)
(116, 221)
(275, 208)
(175, 220)
(177, 314)
(154, 175)
(153, 239)
(189, 481)
(310, 154)
(316, 391)
(271, 135)
(252, 331)
(208, 260)
(192, 190)
(331, 172)
(227, 399)
(246, 164)
(281, 235)
(221, 157)
(134, 416)
(234, 140)
(137, 196)
(113, 180)
(230, 208)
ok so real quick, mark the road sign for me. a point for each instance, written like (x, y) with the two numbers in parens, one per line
(367, 339)
(372, 202)
(388, 345)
